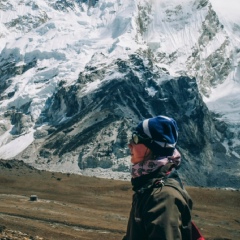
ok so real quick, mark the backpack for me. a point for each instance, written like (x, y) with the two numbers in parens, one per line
(196, 235)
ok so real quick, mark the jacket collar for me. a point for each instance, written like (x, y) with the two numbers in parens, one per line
(142, 183)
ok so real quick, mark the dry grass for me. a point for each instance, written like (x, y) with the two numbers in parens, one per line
(77, 207)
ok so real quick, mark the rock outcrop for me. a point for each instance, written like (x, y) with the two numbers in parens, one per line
(92, 129)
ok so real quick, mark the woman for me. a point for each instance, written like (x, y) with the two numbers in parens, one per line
(161, 207)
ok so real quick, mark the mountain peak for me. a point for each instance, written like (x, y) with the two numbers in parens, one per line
(73, 72)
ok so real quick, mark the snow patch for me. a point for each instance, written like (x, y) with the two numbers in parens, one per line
(16, 146)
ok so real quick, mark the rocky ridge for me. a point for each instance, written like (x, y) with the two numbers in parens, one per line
(94, 130)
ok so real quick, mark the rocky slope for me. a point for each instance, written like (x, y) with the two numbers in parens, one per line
(92, 130)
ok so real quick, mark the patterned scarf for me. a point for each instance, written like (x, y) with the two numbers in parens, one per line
(148, 166)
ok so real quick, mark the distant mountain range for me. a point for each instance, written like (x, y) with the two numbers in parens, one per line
(77, 76)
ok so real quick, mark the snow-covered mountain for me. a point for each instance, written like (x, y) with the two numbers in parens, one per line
(76, 76)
